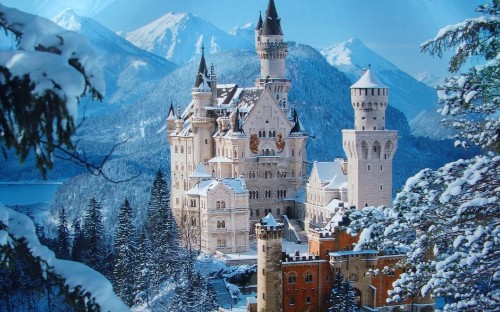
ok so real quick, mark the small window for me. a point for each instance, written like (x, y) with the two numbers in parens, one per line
(292, 301)
(381, 187)
(308, 300)
(369, 168)
(206, 141)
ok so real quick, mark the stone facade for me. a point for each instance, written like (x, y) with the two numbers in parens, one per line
(248, 134)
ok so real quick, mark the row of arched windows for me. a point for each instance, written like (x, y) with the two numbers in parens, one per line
(221, 224)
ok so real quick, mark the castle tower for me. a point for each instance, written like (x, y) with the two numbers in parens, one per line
(269, 254)
(272, 51)
(202, 123)
(369, 147)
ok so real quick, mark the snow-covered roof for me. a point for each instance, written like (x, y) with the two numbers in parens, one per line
(203, 187)
(331, 173)
(353, 252)
(368, 80)
(269, 221)
(220, 159)
(200, 172)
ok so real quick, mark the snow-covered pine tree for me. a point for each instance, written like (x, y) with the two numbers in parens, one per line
(349, 297)
(63, 243)
(336, 294)
(79, 249)
(94, 234)
(142, 286)
(161, 233)
(471, 98)
(125, 249)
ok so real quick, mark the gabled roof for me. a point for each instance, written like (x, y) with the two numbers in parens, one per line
(203, 187)
(368, 80)
(200, 172)
(272, 25)
(328, 171)
(202, 76)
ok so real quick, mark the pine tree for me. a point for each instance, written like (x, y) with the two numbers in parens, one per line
(63, 236)
(124, 268)
(161, 232)
(94, 234)
(349, 297)
(337, 301)
(142, 286)
(79, 249)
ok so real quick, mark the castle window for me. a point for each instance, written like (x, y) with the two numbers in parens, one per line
(217, 205)
(278, 212)
(206, 141)
(292, 278)
(380, 167)
(263, 271)
(374, 128)
(378, 91)
(308, 300)
(264, 296)
(381, 187)
(292, 301)
(373, 90)
(223, 204)
(182, 149)
(221, 243)
(257, 213)
(176, 149)
(369, 168)
(193, 221)
(374, 118)
(308, 277)
(363, 118)
(293, 152)
(193, 203)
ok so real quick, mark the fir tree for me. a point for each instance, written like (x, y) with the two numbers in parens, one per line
(337, 300)
(124, 268)
(161, 233)
(142, 286)
(94, 233)
(63, 236)
(348, 297)
(79, 249)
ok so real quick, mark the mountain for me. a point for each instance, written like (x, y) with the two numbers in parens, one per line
(129, 71)
(406, 93)
(179, 37)
(323, 105)
(429, 79)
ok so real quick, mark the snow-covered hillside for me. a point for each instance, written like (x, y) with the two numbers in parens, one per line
(178, 37)
(407, 94)
(129, 72)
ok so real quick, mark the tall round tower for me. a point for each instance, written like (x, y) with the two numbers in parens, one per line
(272, 52)
(269, 281)
(369, 147)
(202, 124)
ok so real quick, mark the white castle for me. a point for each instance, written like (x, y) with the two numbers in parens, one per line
(239, 153)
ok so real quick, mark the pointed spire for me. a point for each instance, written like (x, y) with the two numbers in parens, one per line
(272, 24)
(171, 111)
(296, 126)
(236, 122)
(259, 23)
(202, 74)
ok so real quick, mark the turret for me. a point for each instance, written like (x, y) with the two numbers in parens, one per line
(258, 29)
(369, 147)
(171, 118)
(272, 51)
(202, 124)
(269, 274)
(369, 99)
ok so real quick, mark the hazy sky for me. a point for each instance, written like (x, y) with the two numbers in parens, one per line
(393, 28)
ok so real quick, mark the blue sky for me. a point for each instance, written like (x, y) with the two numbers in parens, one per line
(393, 28)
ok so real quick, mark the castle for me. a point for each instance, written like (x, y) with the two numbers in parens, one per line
(238, 157)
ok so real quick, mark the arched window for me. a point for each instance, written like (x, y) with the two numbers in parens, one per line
(217, 205)
(292, 278)
(223, 204)
(223, 224)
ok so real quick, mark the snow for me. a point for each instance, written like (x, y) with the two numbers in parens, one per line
(74, 274)
(368, 80)
(269, 221)
(50, 70)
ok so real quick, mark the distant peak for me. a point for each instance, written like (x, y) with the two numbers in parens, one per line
(68, 19)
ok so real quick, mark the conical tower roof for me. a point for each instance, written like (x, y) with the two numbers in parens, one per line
(259, 23)
(296, 126)
(272, 25)
(202, 74)
(171, 112)
(368, 81)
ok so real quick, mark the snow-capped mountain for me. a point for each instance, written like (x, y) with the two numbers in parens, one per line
(129, 71)
(407, 94)
(178, 37)
(429, 79)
